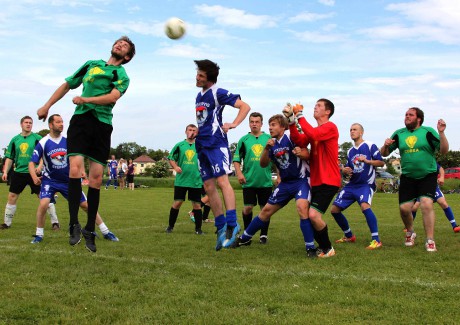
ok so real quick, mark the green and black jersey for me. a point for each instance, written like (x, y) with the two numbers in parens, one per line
(98, 79)
(249, 150)
(184, 154)
(20, 150)
(417, 149)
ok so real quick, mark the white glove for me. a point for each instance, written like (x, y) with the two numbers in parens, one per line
(287, 111)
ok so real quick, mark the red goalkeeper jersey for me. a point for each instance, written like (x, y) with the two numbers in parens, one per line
(324, 151)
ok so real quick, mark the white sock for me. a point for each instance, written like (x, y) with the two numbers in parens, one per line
(10, 210)
(40, 232)
(52, 213)
(103, 228)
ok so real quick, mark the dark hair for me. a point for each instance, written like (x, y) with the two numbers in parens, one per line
(132, 48)
(51, 118)
(328, 105)
(419, 113)
(257, 114)
(211, 69)
(281, 119)
(191, 126)
(27, 117)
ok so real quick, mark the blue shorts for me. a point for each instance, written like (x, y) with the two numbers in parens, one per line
(284, 192)
(113, 176)
(50, 187)
(349, 195)
(214, 162)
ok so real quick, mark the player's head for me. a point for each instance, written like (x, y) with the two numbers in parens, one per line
(208, 69)
(255, 122)
(277, 124)
(26, 123)
(191, 131)
(414, 118)
(55, 124)
(325, 104)
(113, 157)
(126, 51)
(356, 131)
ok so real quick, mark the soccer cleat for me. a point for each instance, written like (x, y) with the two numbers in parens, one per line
(169, 230)
(374, 245)
(90, 237)
(230, 235)
(263, 239)
(37, 239)
(312, 253)
(345, 239)
(75, 234)
(111, 236)
(55, 226)
(456, 229)
(239, 242)
(199, 232)
(430, 246)
(326, 253)
(410, 239)
(4, 226)
(192, 216)
(208, 220)
(220, 237)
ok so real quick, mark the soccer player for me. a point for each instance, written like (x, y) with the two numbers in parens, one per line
(441, 200)
(112, 170)
(325, 177)
(256, 181)
(362, 159)
(19, 152)
(90, 129)
(52, 149)
(183, 160)
(417, 146)
(294, 173)
(212, 147)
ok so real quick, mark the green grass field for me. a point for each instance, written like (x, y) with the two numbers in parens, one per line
(151, 277)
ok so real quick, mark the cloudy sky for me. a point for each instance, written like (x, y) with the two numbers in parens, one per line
(373, 59)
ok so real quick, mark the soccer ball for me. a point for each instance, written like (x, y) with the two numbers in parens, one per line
(174, 28)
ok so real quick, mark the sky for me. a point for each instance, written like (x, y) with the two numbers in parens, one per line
(372, 58)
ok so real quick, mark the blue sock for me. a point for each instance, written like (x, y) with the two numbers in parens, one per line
(219, 222)
(230, 218)
(414, 214)
(307, 232)
(343, 224)
(450, 216)
(255, 225)
(372, 223)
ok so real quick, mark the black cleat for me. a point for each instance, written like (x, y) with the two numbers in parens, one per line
(75, 234)
(263, 239)
(90, 237)
(169, 230)
(199, 232)
(312, 253)
(239, 242)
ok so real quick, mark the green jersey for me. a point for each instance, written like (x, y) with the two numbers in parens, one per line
(98, 79)
(184, 154)
(417, 149)
(249, 150)
(20, 150)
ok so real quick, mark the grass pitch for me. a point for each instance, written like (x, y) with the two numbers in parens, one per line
(151, 277)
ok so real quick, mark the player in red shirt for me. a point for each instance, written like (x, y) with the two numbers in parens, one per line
(325, 176)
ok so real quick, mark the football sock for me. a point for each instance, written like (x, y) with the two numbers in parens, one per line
(206, 210)
(103, 228)
(93, 206)
(322, 237)
(52, 213)
(198, 218)
(247, 218)
(40, 232)
(230, 218)
(10, 210)
(372, 223)
(74, 199)
(414, 214)
(450, 216)
(264, 229)
(219, 222)
(173, 213)
(343, 223)
(307, 232)
(255, 225)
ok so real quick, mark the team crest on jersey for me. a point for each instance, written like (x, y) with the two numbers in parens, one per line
(58, 158)
(358, 166)
(411, 141)
(201, 115)
(23, 147)
(189, 154)
(257, 149)
(282, 157)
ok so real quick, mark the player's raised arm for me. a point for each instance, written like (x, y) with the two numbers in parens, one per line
(42, 112)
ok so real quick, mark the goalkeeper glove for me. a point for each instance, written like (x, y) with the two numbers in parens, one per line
(287, 111)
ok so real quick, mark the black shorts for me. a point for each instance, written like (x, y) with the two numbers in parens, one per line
(19, 181)
(252, 195)
(89, 137)
(411, 189)
(130, 178)
(321, 196)
(194, 194)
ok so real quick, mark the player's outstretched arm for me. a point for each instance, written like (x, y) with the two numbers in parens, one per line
(42, 112)
(244, 109)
